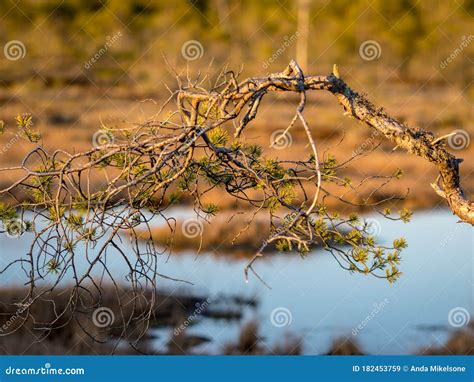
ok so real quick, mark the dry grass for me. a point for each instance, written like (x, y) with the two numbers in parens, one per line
(44, 332)
(223, 233)
(344, 346)
(460, 342)
(228, 233)
(69, 117)
(250, 343)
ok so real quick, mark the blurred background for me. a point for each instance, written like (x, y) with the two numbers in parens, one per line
(77, 65)
(61, 36)
(80, 65)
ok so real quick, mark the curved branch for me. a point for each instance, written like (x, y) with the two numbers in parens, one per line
(414, 141)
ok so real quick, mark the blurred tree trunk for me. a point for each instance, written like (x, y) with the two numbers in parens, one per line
(223, 14)
(303, 33)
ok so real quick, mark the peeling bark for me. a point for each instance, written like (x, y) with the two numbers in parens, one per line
(415, 141)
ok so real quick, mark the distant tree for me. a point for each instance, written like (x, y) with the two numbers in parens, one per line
(302, 49)
(402, 23)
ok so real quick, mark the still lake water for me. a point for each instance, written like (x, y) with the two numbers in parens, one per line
(319, 300)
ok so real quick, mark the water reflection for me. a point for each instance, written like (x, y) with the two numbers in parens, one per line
(322, 301)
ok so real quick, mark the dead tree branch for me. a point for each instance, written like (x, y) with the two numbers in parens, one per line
(77, 226)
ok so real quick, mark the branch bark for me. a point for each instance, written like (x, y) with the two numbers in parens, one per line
(414, 141)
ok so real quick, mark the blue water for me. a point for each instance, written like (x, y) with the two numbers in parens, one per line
(319, 300)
